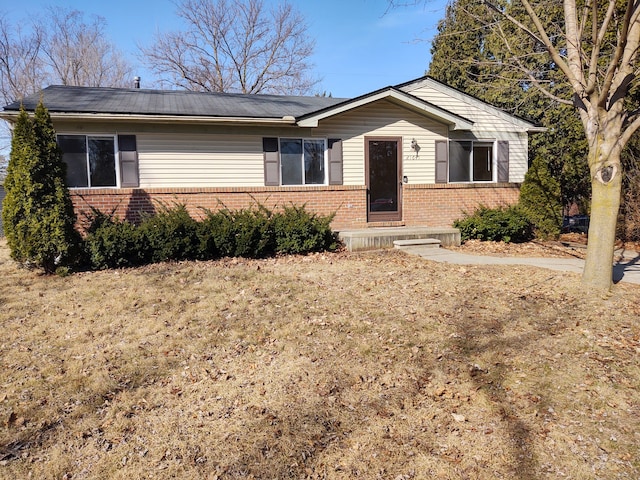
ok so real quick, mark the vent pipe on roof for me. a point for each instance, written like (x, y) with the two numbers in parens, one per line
(136, 82)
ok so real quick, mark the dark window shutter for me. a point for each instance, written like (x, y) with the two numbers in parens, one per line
(335, 161)
(271, 161)
(442, 160)
(503, 161)
(127, 147)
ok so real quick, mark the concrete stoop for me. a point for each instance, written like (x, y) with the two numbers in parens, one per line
(389, 237)
(417, 242)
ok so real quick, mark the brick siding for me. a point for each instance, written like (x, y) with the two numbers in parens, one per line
(423, 205)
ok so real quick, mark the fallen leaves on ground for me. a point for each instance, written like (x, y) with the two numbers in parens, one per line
(341, 366)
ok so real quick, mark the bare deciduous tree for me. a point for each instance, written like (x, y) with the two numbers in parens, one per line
(596, 49)
(21, 68)
(235, 46)
(58, 48)
(78, 53)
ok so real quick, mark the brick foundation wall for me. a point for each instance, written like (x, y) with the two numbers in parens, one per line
(423, 205)
(347, 201)
(438, 205)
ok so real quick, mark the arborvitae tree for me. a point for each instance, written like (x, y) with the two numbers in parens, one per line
(540, 199)
(37, 212)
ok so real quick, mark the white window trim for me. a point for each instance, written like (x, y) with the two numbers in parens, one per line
(494, 159)
(116, 150)
(325, 161)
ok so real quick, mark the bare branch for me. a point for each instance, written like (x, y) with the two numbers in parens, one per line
(235, 46)
(78, 54)
(623, 37)
(517, 63)
(21, 70)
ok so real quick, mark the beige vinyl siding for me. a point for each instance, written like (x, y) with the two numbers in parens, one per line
(198, 160)
(385, 119)
(489, 123)
(484, 116)
(518, 154)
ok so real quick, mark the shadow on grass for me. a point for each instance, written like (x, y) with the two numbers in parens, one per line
(492, 338)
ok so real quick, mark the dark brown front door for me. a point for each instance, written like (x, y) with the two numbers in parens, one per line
(384, 188)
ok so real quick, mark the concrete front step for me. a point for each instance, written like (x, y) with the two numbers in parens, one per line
(417, 242)
(383, 237)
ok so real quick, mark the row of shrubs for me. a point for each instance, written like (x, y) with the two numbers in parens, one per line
(504, 224)
(172, 234)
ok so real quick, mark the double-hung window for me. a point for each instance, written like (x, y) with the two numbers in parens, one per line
(90, 160)
(302, 161)
(471, 161)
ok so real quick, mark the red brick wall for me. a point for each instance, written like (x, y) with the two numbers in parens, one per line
(438, 205)
(423, 205)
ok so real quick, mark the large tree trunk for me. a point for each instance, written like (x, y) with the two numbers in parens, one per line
(606, 184)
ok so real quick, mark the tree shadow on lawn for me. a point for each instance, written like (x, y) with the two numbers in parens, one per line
(493, 338)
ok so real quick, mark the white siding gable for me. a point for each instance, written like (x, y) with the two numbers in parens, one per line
(485, 117)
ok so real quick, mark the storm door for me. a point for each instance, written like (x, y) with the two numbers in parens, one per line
(383, 174)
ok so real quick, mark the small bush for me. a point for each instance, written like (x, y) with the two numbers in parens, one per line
(300, 231)
(506, 224)
(112, 243)
(170, 234)
(240, 233)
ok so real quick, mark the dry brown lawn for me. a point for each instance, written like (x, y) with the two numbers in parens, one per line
(339, 366)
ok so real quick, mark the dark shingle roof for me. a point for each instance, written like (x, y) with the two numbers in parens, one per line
(68, 99)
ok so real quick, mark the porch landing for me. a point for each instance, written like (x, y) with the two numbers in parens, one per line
(383, 237)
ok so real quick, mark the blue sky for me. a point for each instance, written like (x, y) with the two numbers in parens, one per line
(361, 45)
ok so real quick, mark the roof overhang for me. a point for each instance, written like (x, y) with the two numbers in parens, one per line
(12, 115)
(392, 94)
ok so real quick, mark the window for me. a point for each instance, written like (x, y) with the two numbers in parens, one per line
(302, 162)
(91, 160)
(470, 161)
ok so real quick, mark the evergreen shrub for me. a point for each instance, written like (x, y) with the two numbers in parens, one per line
(299, 231)
(172, 234)
(113, 243)
(506, 224)
(169, 234)
(238, 233)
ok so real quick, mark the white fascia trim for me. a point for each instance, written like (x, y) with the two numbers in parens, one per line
(11, 116)
(455, 122)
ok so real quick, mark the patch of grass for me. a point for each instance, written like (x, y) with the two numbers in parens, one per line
(376, 365)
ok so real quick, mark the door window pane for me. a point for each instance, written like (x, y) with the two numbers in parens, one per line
(383, 176)
(74, 155)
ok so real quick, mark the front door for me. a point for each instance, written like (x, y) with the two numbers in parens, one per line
(383, 173)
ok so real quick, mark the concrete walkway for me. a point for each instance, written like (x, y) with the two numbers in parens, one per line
(627, 270)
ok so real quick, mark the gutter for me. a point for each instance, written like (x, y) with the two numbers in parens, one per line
(11, 115)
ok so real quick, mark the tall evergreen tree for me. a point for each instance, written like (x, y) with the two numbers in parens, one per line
(37, 213)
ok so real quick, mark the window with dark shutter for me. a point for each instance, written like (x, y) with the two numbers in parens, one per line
(271, 161)
(129, 176)
(335, 161)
